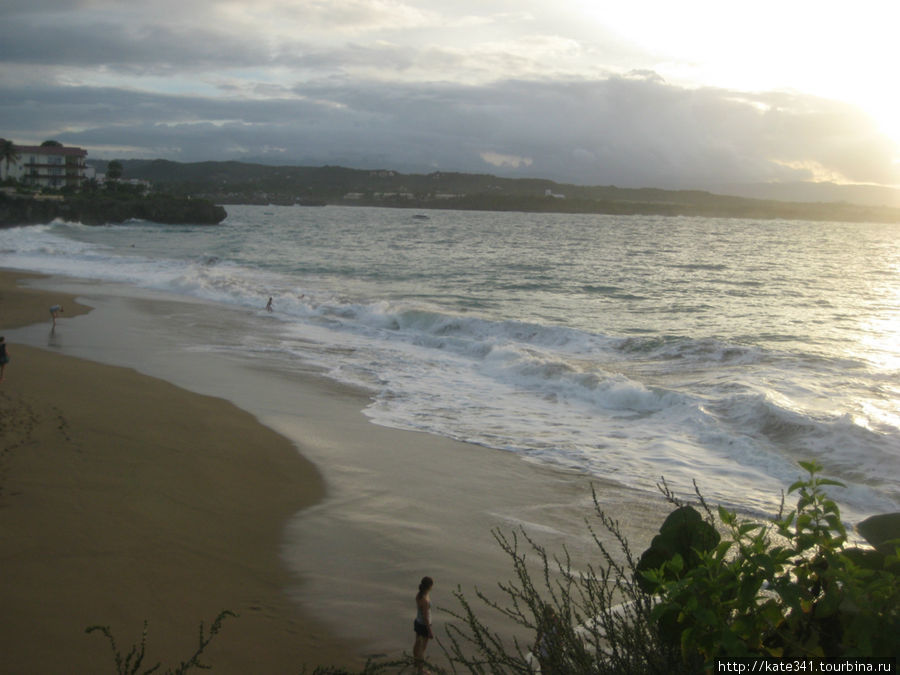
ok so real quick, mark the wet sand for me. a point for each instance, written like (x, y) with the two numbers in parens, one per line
(397, 504)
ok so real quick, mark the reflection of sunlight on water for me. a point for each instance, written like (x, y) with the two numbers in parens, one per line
(877, 415)
(879, 345)
(880, 334)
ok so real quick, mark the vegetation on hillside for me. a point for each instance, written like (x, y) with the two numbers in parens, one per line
(90, 202)
(117, 203)
(110, 209)
(245, 183)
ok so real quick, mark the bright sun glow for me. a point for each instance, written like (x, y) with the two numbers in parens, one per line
(834, 50)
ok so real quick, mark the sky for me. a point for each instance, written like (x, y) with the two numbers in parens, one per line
(686, 94)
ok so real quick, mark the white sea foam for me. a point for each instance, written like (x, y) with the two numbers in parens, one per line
(659, 379)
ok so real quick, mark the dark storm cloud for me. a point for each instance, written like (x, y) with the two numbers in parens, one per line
(625, 131)
(628, 130)
(157, 48)
(186, 37)
(39, 7)
(142, 48)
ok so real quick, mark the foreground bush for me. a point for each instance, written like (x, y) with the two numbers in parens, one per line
(791, 588)
(707, 587)
(132, 663)
(592, 620)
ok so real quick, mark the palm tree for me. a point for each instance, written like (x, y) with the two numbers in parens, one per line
(114, 170)
(8, 153)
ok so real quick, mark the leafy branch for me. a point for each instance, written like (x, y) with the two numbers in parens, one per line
(131, 663)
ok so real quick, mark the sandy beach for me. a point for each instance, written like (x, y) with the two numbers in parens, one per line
(124, 498)
(337, 535)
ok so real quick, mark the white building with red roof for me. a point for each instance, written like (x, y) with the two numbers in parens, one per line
(46, 166)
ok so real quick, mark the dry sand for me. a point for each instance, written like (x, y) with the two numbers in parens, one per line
(125, 498)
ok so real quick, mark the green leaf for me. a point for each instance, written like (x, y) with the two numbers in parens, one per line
(828, 605)
(796, 485)
(722, 548)
(834, 521)
(811, 466)
(785, 522)
(748, 527)
(708, 617)
(726, 516)
(687, 640)
(766, 564)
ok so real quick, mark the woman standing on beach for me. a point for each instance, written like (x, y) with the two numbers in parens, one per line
(422, 624)
(547, 646)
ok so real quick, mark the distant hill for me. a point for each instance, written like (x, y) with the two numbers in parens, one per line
(243, 183)
(867, 195)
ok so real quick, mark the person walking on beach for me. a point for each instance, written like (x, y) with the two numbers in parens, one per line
(269, 305)
(422, 623)
(4, 357)
(54, 312)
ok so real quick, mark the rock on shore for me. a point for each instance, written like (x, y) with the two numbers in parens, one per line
(104, 209)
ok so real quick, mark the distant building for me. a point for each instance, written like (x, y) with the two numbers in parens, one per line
(101, 178)
(47, 166)
(145, 185)
(393, 195)
(555, 195)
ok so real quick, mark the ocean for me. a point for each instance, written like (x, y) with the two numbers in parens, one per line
(632, 348)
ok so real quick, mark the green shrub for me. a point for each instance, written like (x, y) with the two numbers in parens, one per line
(790, 588)
(708, 587)
(602, 618)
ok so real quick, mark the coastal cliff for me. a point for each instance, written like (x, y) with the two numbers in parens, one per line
(104, 209)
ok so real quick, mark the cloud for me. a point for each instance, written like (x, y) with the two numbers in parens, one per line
(347, 16)
(622, 131)
(414, 85)
(372, 39)
(511, 161)
(142, 48)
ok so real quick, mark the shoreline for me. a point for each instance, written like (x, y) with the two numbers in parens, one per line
(124, 498)
(399, 504)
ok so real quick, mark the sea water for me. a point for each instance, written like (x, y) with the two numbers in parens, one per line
(634, 348)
